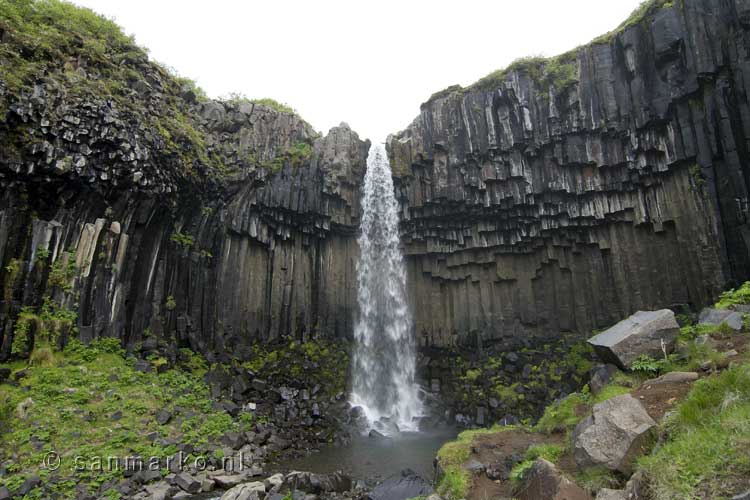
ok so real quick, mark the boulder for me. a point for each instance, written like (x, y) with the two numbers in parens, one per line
(618, 431)
(544, 481)
(716, 317)
(187, 483)
(643, 333)
(406, 484)
(246, 491)
(609, 494)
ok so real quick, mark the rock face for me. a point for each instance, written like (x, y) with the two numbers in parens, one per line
(648, 333)
(543, 480)
(252, 238)
(615, 434)
(534, 204)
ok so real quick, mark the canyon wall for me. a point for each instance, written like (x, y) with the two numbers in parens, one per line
(152, 212)
(564, 194)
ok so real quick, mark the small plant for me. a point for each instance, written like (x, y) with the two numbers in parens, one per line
(646, 364)
(170, 304)
(183, 239)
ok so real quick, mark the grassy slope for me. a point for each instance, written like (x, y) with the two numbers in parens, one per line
(87, 55)
(75, 393)
(70, 401)
(705, 454)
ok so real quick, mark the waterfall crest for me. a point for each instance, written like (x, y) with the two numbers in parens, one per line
(384, 353)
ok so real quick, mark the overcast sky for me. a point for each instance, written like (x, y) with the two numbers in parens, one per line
(369, 64)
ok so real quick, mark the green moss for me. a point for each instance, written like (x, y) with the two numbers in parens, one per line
(48, 322)
(706, 448)
(322, 362)
(296, 156)
(11, 274)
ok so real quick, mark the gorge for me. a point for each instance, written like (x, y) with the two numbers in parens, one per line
(227, 278)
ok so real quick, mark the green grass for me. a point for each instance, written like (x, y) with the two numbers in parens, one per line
(74, 394)
(454, 482)
(708, 439)
(549, 452)
(595, 478)
(565, 414)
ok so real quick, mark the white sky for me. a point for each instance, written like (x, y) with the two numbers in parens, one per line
(368, 64)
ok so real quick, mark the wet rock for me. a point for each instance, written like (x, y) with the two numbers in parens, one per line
(4, 493)
(316, 483)
(618, 431)
(374, 434)
(544, 481)
(406, 484)
(647, 333)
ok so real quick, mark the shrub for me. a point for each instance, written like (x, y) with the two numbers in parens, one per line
(733, 297)
(646, 364)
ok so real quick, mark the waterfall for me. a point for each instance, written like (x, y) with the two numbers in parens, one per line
(383, 361)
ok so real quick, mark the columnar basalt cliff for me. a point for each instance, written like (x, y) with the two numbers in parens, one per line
(564, 194)
(141, 207)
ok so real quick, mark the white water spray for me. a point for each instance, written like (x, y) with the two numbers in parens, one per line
(384, 353)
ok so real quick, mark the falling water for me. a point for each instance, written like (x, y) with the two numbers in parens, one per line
(384, 353)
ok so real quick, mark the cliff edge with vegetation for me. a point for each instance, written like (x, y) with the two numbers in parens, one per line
(132, 205)
(563, 194)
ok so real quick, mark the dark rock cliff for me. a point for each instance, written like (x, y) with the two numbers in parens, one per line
(145, 209)
(562, 195)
